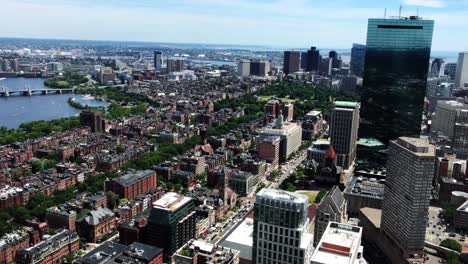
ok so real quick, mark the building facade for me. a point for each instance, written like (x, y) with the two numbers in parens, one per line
(158, 60)
(344, 125)
(410, 170)
(395, 74)
(171, 223)
(358, 56)
(292, 61)
(281, 228)
(132, 184)
(461, 77)
(331, 208)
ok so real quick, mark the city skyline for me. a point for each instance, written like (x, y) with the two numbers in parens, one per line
(333, 25)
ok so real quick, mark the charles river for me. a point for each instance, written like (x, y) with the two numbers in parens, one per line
(17, 109)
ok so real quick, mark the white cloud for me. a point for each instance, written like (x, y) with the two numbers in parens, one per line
(426, 3)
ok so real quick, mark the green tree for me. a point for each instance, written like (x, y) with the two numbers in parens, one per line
(112, 199)
(448, 213)
(291, 187)
(319, 196)
(120, 149)
(453, 258)
(451, 244)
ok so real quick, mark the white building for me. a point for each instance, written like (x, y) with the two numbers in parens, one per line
(243, 68)
(461, 77)
(340, 244)
(281, 232)
(182, 75)
(290, 134)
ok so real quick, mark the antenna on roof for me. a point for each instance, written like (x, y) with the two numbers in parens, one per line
(399, 14)
(385, 13)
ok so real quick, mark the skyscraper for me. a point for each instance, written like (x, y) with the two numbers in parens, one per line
(313, 59)
(462, 70)
(243, 68)
(281, 228)
(292, 61)
(344, 125)
(358, 55)
(460, 134)
(157, 60)
(395, 74)
(175, 64)
(410, 170)
(171, 223)
(304, 60)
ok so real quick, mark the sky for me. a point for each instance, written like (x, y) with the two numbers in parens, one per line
(275, 23)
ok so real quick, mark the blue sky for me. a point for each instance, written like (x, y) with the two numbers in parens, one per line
(281, 23)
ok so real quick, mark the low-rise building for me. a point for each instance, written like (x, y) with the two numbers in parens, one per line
(11, 243)
(363, 192)
(97, 223)
(58, 217)
(201, 252)
(133, 184)
(52, 250)
(243, 183)
(340, 244)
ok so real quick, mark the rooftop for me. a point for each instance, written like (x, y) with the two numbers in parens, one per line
(240, 238)
(346, 104)
(373, 215)
(130, 178)
(366, 187)
(171, 201)
(339, 244)
(277, 194)
(418, 146)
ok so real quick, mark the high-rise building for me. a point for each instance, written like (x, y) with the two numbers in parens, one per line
(344, 125)
(451, 70)
(289, 133)
(340, 244)
(292, 61)
(358, 55)
(332, 207)
(333, 54)
(460, 134)
(313, 59)
(281, 228)
(325, 66)
(243, 68)
(443, 121)
(461, 78)
(304, 60)
(268, 149)
(158, 60)
(395, 74)
(175, 64)
(91, 119)
(259, 68)
(54, 67)
(436, 68)
(410, 170)
(171, 223)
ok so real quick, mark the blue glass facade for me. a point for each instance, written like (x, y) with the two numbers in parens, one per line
(395, 75)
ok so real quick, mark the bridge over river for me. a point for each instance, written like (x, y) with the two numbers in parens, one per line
(28, 92)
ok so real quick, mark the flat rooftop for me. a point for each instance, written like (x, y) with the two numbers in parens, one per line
(374, 215)
(281, 195)
(171, 201)
(418, 146)
(339, 244)
(240, 238)
(346, 104)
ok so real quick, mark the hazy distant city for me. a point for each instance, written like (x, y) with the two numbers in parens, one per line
(192, 153)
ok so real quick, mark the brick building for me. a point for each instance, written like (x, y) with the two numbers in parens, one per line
(11, 243)
(131, 185)
(97, 223)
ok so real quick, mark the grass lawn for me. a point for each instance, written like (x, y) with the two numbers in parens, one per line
(310, 194)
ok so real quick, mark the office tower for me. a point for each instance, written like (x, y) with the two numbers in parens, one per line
(292, 60)
(15, 65)
(443, 121)
(325, 66)
(340, 244)
(313, 59)
(287, 109)
(460, 134)
(54, 67)
(331, 208)
(304, 61)
(259, 68)
(450, 70)
(91, 119)
(281, 228)
(243, 68)
(344, 125)
(348, 84)
(358, 55)
(171, 223)
(410, 170)
(436, 68)
(158, 60)
(395, 74)
(333, 54)
(461, 78)
(175, 64)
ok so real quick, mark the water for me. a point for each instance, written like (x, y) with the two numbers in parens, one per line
(18, 109)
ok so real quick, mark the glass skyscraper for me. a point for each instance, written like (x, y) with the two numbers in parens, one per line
(395, 74)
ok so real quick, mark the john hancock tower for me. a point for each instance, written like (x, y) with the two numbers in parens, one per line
(395, 74)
